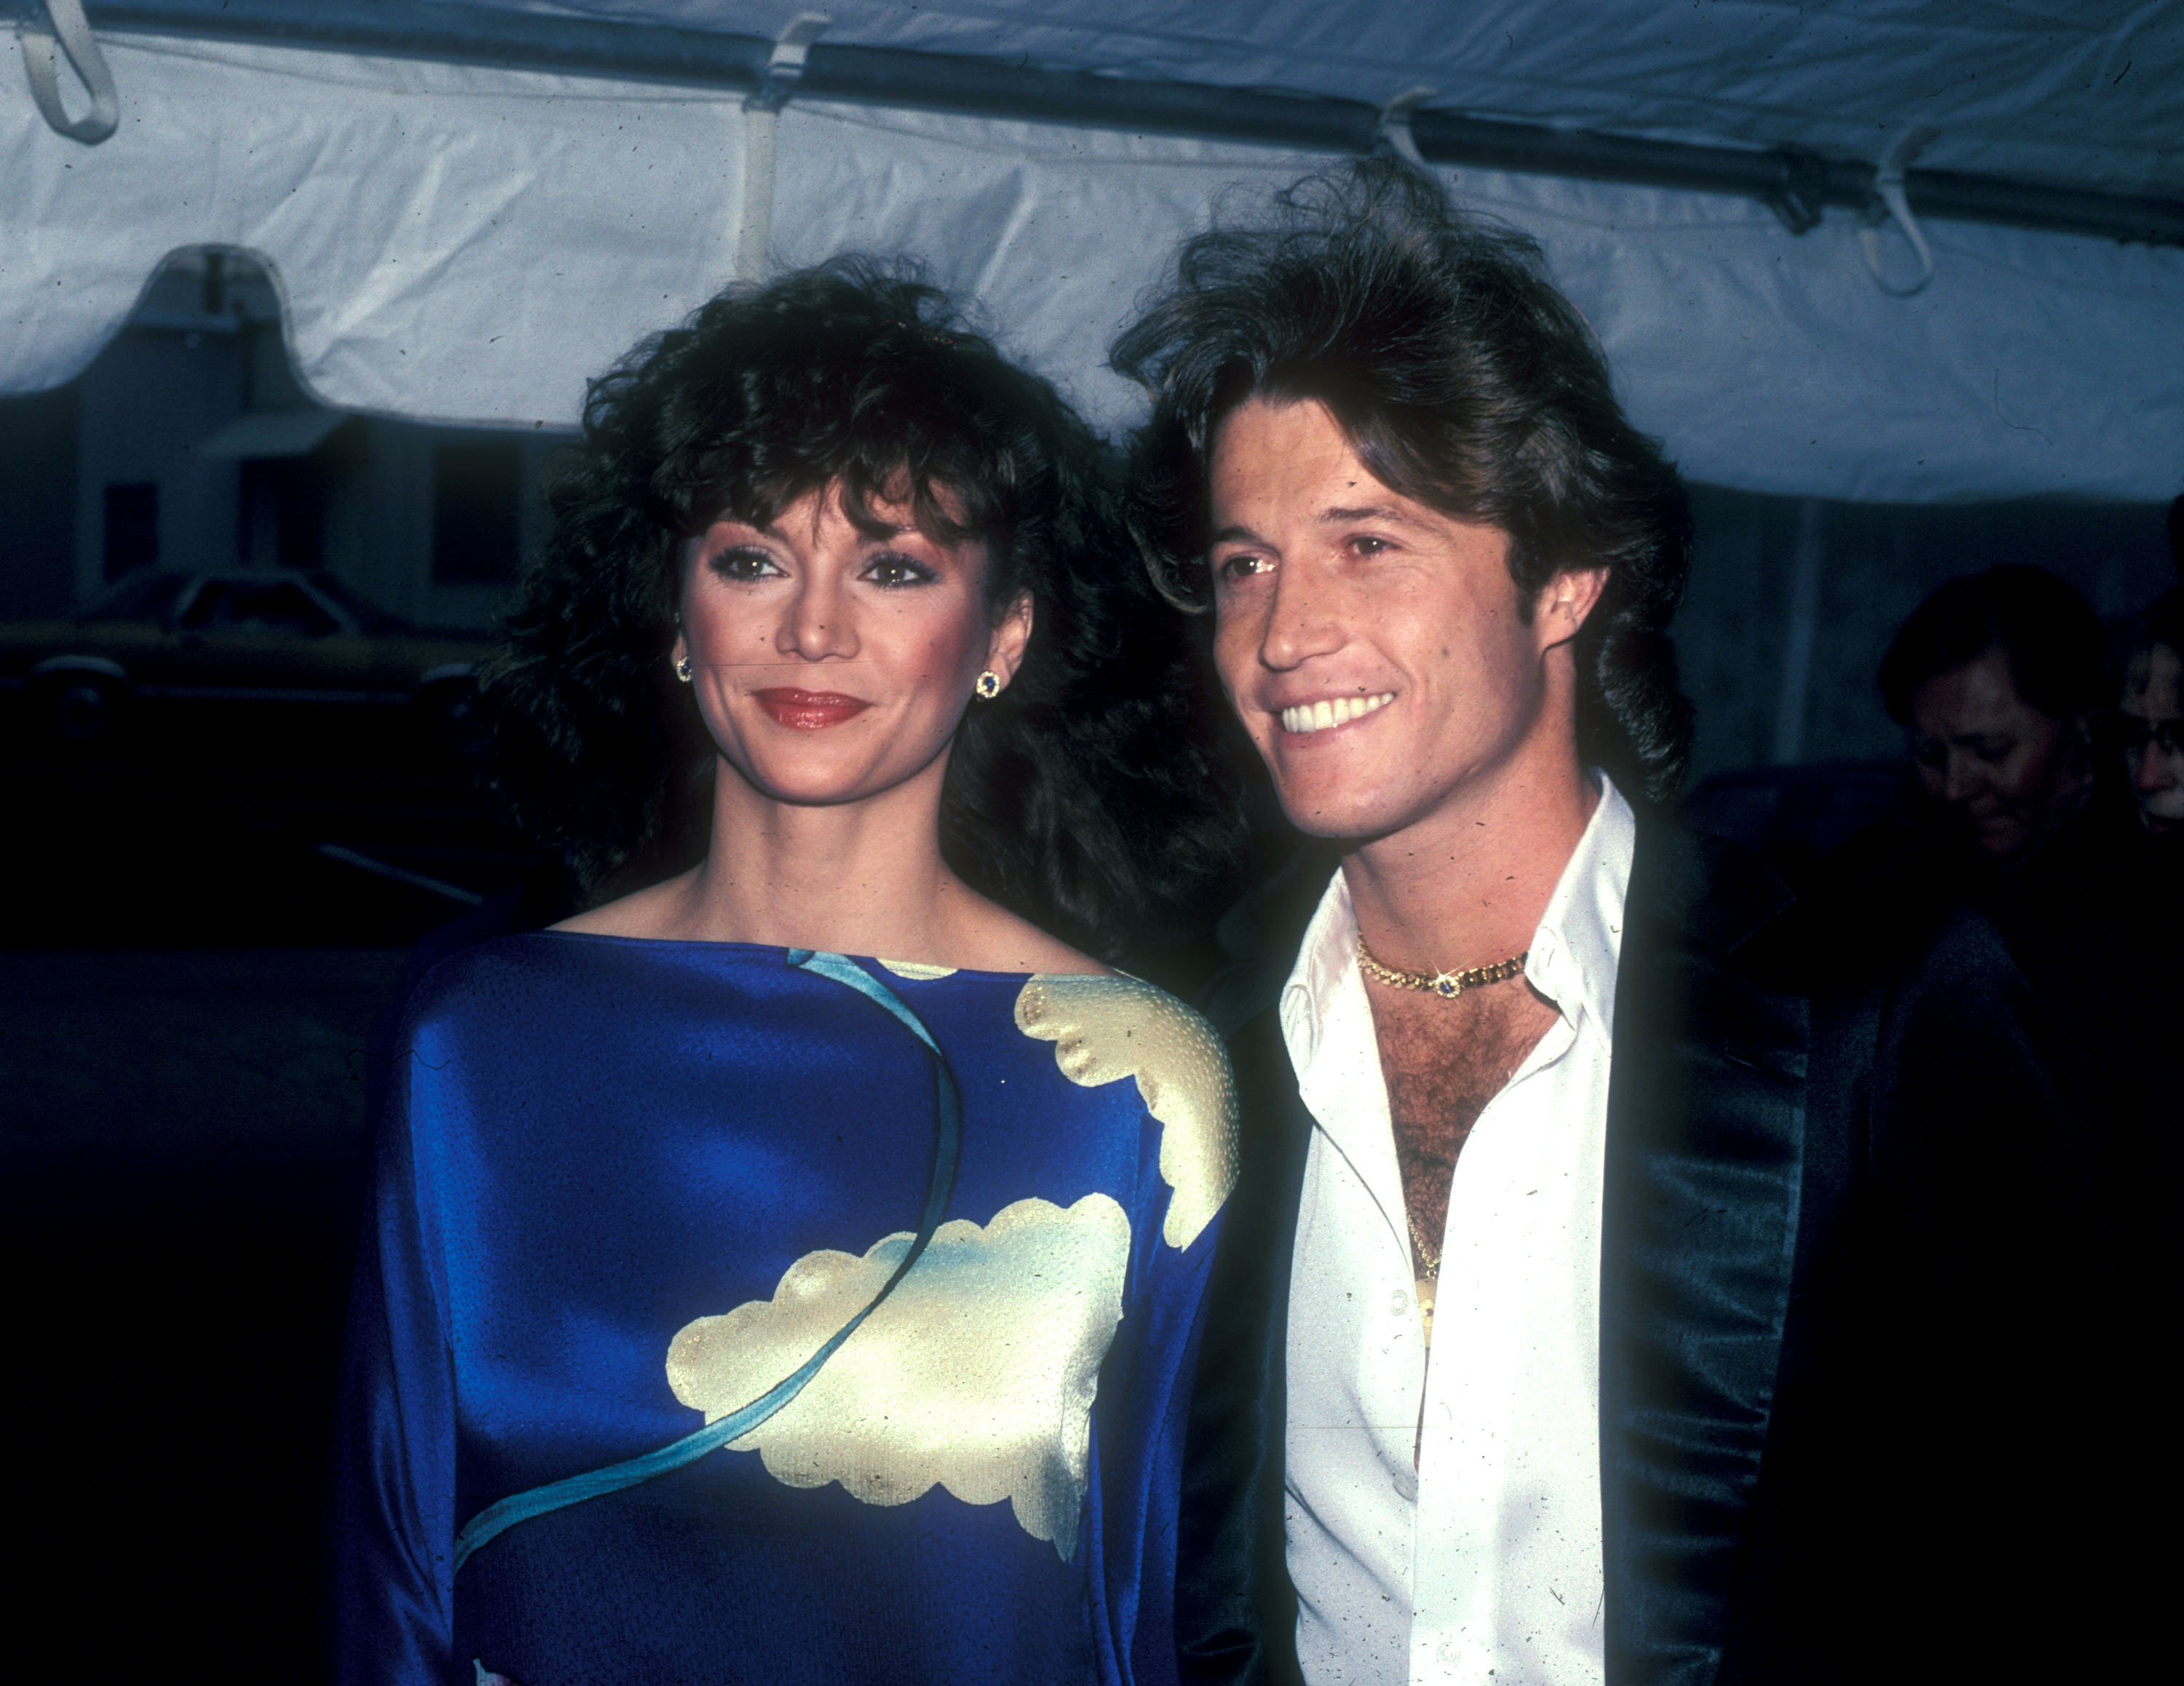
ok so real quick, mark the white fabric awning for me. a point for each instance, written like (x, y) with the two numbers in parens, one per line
(466, 244)
(448, 243)
(2086, 92)
(2034, 364)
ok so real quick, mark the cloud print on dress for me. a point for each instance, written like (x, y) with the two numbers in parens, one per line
(976, 1374)
(1105, 1029)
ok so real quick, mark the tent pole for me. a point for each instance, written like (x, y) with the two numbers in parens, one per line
(1796, 182)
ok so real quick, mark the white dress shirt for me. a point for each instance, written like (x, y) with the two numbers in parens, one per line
(1482, 1563)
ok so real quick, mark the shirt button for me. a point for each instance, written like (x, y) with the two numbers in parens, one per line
(1407, 1485)
(1399, 1302)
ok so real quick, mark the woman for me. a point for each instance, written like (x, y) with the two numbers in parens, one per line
(725, 1281)
(1998, 679)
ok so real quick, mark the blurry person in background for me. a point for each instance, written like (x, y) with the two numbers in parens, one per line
(2150, 724)
(1997, 678)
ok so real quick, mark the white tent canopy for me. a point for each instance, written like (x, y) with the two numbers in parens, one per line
(2082, 92)
(461, 241)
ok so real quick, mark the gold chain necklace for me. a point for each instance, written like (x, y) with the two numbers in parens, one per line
(1448, 985)
(1427, 1258)
(1426, 1267)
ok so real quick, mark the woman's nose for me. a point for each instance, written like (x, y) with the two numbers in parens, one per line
(1957, 779)
(817, 626)
(2150, 770)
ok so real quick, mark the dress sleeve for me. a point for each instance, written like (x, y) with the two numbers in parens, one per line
(1235, 1608)
(393, 1486)
(1145, 1412)
(1185, 1175)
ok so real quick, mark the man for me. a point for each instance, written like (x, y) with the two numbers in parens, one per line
(1604, 1244)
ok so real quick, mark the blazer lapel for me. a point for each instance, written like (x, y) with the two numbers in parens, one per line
(1705, 1144)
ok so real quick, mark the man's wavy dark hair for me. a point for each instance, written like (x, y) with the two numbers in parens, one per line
(1462, 379)
(1086, 797)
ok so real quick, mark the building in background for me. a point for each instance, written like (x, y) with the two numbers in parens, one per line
(188, 444)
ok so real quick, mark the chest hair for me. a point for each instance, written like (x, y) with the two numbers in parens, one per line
(1444, 1061)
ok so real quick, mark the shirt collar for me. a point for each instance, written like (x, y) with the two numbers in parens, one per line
(1578, 944)
(1327, 954)
(1573, 954)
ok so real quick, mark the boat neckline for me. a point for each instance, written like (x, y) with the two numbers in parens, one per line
(913, 971)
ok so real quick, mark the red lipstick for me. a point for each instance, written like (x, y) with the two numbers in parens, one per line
(809, 710)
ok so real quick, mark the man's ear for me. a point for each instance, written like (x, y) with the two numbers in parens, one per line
(1564, 603)
(1012, 633)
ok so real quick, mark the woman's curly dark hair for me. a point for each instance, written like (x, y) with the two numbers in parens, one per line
(1086, 797)
(1464, 380)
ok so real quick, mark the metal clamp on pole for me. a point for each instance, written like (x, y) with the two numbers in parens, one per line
(1890, 201)
(62, 22)
(784, 70)
(792, 53)
(1800, 195)
(1392, 136)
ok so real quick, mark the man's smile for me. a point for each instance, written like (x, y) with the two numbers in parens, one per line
(1328, 712)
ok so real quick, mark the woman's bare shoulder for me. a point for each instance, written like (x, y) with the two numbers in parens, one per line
(993, 939)
(658, 910)
(1030, 949)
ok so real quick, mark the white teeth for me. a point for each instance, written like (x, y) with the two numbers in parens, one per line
(1332, 711)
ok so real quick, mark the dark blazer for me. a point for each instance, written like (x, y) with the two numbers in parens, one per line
(1821, 1138)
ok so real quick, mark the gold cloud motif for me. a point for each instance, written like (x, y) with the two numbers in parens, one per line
(976, 1374)
(918, 971)
(1105, 1029)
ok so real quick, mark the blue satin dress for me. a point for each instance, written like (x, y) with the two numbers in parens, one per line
(742, 1313)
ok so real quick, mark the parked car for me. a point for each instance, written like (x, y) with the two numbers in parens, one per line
(271, 637)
